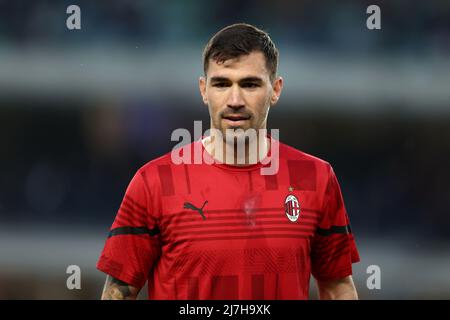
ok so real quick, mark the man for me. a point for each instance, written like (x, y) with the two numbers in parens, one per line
(221, 229)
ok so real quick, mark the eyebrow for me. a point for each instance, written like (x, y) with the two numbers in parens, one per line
(246, 79)
(219, 79)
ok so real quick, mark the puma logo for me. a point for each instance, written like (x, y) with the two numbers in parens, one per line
(188, 205)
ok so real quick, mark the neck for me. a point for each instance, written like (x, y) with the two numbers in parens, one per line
(237, 151)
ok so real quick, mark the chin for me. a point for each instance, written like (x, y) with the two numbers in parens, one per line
(242, 133)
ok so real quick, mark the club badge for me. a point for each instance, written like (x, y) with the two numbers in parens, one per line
(292, 207)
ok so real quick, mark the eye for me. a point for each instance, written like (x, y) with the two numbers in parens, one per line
(250, 85)
(220, 84)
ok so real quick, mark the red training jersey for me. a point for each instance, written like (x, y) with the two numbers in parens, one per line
(202, 231)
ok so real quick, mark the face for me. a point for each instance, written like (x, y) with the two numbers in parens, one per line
(239, 93)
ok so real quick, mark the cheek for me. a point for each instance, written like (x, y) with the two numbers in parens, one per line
(214, 104)
(261, 103)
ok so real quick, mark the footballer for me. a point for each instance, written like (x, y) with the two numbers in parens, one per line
(222, 229)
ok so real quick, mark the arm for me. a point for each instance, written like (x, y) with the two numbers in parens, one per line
(118, 290)
(340, 289)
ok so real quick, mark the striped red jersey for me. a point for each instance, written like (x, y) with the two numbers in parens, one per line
(216, 231)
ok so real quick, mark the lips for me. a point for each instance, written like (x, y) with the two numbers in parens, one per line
(236, 117)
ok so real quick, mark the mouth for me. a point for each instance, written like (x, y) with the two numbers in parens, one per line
(236, 119)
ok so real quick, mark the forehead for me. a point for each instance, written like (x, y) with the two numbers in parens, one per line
(253, 64)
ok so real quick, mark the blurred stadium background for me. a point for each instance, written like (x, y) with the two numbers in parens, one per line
(81, 111)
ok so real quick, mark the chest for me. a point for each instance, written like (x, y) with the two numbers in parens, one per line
(241, 211)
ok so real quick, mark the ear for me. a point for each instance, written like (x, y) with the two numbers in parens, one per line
(202, 87)
(277, 88)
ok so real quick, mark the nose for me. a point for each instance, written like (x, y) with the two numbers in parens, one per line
(235, 99)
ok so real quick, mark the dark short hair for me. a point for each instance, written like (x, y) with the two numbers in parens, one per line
(241, 39)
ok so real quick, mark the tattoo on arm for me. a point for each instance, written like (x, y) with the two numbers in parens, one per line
(340, 289)
(116, 289)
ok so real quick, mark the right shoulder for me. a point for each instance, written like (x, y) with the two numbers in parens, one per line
(156, 169)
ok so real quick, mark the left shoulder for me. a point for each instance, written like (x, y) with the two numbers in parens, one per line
(293, 154)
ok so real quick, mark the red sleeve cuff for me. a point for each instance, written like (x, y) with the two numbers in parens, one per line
(338, 274)
(107, 267)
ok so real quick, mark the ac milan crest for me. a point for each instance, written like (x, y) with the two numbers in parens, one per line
(292, 208)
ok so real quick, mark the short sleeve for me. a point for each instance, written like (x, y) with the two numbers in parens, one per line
(133, 243)
(333, 248)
